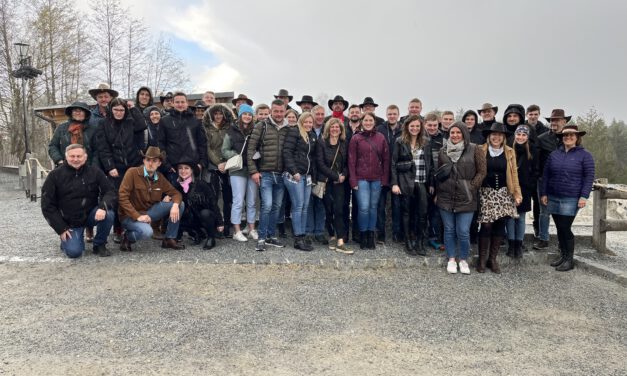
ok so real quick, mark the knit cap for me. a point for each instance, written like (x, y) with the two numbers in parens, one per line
(245, 108)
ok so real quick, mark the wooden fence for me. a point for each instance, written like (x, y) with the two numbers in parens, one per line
(601, 224)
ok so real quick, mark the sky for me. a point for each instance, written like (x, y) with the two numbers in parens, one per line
(569, 54)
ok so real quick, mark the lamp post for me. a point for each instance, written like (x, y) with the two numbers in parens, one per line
(25, 72)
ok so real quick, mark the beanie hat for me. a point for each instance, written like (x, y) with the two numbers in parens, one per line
(245, 108)
(522, 129)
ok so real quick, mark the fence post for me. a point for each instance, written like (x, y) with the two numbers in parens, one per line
(33, 182)
(599, 212)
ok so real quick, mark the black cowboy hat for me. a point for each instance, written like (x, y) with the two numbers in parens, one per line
(558, 113)
(368, 101)
(194, 166)
(338, 98)
(307, 99)
(496, 127)
(80, 105)
(284, 93)
(199, 105)
(103, 88)
(163, 98)
(244, 98)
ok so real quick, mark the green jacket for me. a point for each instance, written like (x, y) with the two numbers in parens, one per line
(268, 140)
(61, 139)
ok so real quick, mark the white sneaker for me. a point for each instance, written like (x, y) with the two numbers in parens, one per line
(245, 230)
(451, 267)
(253, 234)
(463, 267)
(240, 237)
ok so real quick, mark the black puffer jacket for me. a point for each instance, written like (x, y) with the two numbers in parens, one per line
(68, 196)
(406, 179)
(117, 141)
(299, 157)
(324, 156)
(182, 138)
(547, 143)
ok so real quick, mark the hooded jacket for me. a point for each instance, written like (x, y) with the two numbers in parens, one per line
(368, 158)
(62, 138)
(182, 138)
(116, 140)
(459, 192)
(150, 136)
(476, 137)
(515, 109)
(215, 135)
(150, 101)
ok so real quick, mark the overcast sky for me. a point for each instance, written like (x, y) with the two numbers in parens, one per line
(569, 54)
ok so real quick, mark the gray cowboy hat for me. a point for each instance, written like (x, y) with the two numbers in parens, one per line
(103, 88)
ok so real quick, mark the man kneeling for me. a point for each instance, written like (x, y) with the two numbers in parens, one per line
(74, 196)
(146, 196)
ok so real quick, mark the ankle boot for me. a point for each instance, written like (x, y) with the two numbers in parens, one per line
(511, 248)
(371, 244)
(569, 253)
(495, 245)
(171, 244)
(420, 247)
(484, 243)
(409, 247)
(209, 243)
(363, 243)
(559, 260)
(518, 253)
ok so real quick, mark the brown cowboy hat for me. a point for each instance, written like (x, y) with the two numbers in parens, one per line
(571, 128)
(153, 152)
(488, 106)
(284, 93)
(307, 99)
(102, 88)
(242, 97)
(558, 113)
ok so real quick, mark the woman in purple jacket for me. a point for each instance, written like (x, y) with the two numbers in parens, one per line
(368, 170)
(567, 182)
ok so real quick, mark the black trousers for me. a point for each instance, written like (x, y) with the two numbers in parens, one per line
(222, 183)
(198, 221)
(414, 212)
(564, 224)
(351, 209)
(334, 207)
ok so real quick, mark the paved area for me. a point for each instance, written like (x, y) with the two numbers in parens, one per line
(285, 312)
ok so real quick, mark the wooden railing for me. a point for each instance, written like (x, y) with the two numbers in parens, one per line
(601, 224)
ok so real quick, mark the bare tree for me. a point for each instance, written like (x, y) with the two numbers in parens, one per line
(164, 69)
(135, 58)
(108, 22)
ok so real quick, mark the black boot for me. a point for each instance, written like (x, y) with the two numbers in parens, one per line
(209, 243)
(281, 230)
(511, 251)
(363, 240)
(569, 252)
(420, 237)
(410, 247)
(371, 243)
(518, 253)
(560, 260)
(300, 243)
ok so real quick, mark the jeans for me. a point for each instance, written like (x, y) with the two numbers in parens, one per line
(299, 196)
(396, 212)
(243, 187)
(316, 216)
(271, 191)
(456, 230)
(368, 201)
(544, 218)
(136, 231)
(75, 246)
(516, 228)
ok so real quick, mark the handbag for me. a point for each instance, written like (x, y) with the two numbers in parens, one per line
(321, 186)
(443, 172)
(236, 162)
(404, 166)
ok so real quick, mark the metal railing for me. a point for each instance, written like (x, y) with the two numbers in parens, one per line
(32, 176)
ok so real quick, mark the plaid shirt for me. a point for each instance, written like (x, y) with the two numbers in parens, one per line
(421, 169)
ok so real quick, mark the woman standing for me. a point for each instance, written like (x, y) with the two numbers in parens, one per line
(244, 188)
(498, 197)
(368, 170)
(412, 178)
(527, 178)
(567, 182)
(456, 192)
(201, 217)
(300, 173)
(332, 167)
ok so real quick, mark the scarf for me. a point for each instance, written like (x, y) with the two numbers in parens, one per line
(495, 152)
(185, 184)
(454, 151)
(339, 115)
(76, 130)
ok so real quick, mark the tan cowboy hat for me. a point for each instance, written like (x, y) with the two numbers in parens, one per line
(558, 113)
(102, 88)
(488, 106)
(569, 129)
(244, 98)
(153, 152)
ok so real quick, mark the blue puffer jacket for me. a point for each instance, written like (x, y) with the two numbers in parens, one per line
(568, 173)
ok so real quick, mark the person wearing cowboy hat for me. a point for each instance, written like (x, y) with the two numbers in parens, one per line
(103, 94)
(140, 202)
(369, 106)
(166, 101)
(242, 98)
(487, 113)
(547, 143)
(77, 130)
(499, 195)
(306, 103)
(285, 96)
(337, 105)
(566, 185)
(199, 109)
(76, 196)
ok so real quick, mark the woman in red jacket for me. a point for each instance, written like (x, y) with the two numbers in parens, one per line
(369, 170)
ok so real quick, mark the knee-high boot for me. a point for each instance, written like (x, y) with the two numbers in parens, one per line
(484, 243)
(495, 245)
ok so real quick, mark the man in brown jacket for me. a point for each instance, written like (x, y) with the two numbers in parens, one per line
(141, 201)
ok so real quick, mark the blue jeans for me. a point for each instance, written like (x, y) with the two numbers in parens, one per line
(316, 216)
(545, 218)
(243, 188)
(562, 205)
(368, 201)
(516, 228)
(136, 231)
(456, 230)
(396, 212)
(299, 196)
(271, 189)
(75, 246)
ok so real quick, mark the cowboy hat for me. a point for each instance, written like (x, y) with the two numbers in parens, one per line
(244, 98)
(102, 88)
(488, 106)
(153, 152)
(194, 166)
(163, 98)
(284, 93)
(80, 105)
(368, 101)
(496, 127)
(199, 105)
(307, 99)
(338, 98)
(569, 129)
(558, 113)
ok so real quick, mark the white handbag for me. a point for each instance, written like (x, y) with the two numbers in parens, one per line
(236, 162)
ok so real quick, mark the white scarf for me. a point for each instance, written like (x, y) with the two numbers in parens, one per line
(495, 152)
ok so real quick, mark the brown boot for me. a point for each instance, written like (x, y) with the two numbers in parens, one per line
(157, 234)
(125, 245)
(495, 245)
(484, 243)
(172, 244)
(89, 234)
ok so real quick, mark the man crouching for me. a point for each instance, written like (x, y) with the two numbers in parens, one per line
(142, 194)
(74, 196)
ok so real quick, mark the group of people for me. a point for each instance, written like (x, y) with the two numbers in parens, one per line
(159, 172)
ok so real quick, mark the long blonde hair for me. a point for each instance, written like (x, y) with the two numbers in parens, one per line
(301, 128)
